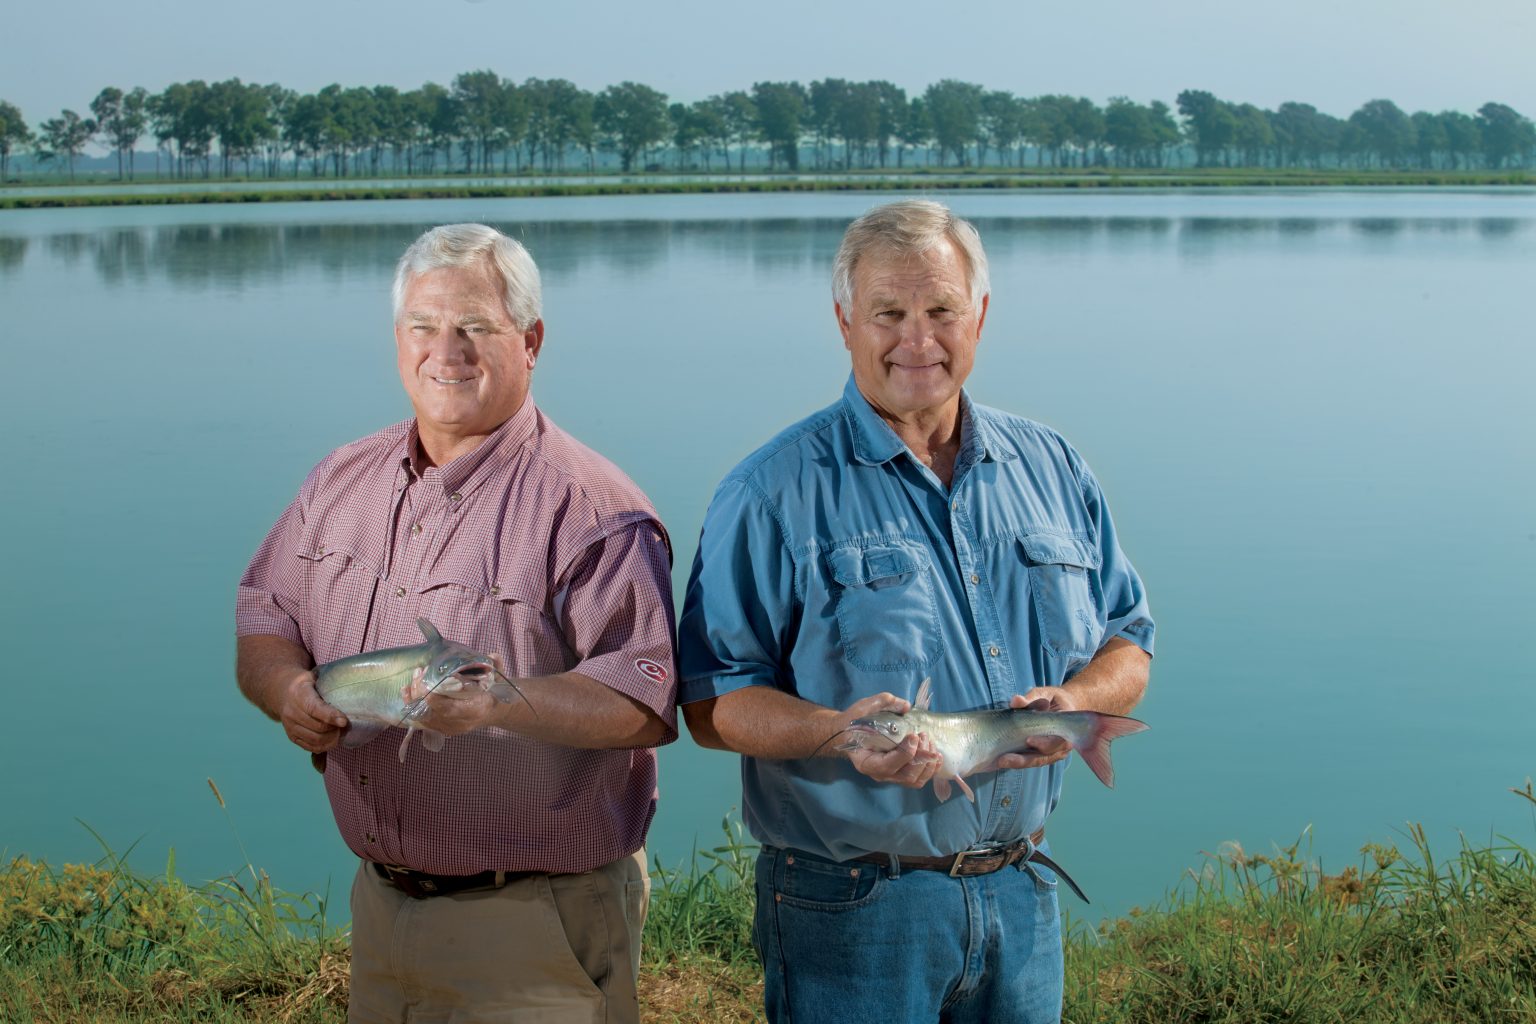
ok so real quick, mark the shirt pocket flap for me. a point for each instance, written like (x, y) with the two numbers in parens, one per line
(314, 546)
(1048, 548)
(477, 581)
(861, 567)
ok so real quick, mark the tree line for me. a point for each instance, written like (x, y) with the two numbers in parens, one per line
(485, 123)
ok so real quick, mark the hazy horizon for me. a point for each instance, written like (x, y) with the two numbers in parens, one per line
(1422, 56)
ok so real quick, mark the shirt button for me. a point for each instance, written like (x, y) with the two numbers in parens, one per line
(455, 496)
(975, 578)
(415, 527)
(362, 780)
(371, 837)
(954, 506)
(1007, 800)
(400, 592)
(992, 651)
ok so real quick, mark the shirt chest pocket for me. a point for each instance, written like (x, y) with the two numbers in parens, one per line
(887, 612)
(1062, 592)
(338, 581)
(505, 616)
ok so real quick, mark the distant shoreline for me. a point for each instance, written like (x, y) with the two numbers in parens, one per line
(261, 192)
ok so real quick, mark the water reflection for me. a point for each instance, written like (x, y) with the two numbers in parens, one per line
(197, 256)
(13, 251)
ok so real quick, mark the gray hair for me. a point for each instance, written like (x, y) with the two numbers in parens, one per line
(908, 227)
(463, 245)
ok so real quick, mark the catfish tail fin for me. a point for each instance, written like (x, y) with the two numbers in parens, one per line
(1095, 752)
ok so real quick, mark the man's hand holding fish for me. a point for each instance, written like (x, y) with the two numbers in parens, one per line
(910, 763)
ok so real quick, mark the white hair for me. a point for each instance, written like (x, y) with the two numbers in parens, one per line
(462, 245)
(908, 227)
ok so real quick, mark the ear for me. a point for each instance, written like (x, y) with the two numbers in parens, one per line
(981, 317)
(842, 324)
(533, 342)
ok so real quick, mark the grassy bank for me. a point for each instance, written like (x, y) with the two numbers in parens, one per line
(255, 192)
(1403, 937)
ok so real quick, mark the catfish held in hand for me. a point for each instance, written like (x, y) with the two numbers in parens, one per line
(972, 741)
(381, 689)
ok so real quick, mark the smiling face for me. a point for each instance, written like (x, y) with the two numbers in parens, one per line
(912, 332)
(464, 363)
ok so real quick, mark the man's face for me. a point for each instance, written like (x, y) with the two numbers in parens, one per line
(464, 364)
(912, 330)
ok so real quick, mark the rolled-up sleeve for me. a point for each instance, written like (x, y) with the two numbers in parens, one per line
(1124, 597)
(615, 611)
(268, 600)
(739, 609)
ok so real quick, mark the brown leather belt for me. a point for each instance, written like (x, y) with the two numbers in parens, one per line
(983, 860)
(419, 885)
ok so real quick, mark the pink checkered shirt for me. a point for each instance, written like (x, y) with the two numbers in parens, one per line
(532, 547)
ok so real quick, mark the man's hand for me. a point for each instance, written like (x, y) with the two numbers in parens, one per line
(1047, 749)
(309, 721)
(910, 763)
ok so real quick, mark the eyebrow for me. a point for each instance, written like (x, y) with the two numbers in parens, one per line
(467, 320)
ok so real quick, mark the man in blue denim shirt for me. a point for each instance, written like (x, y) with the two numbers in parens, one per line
(905, 533)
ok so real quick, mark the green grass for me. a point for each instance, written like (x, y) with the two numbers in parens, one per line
(1402, 938)
(921, 178)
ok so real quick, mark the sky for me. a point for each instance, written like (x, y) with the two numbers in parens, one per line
(1335, 54)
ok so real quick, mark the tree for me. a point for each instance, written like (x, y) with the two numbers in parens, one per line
(494, 113)
(1253, 136)
(1085, 126)
(1382, 128)
(955, 108)
(13, 133)
(891, 102)
(633, 117)
(781, 106)
(1002, 120)
(240, 120)
(67, 135)
(738, 115)
(1045, 125)
(1429, 137)
(1463, 138)
(915, 127)
(687, 131)
(183, 114)
(1210, 124)
(558, 113)
(706, 122)
(1508, 137)
(1129, 131)
(827, 99)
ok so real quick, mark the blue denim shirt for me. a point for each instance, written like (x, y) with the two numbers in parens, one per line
(834, 565)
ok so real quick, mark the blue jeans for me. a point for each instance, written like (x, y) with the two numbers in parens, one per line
(853, 942)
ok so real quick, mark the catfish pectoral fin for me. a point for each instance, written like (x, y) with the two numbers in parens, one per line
(359, 733)
(433, 741)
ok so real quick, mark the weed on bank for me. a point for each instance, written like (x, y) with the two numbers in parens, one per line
(1403, 938)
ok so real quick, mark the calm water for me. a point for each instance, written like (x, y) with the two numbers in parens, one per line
(1310, 411)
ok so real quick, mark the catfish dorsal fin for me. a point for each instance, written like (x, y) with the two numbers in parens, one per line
(429, 631)
(924, 695)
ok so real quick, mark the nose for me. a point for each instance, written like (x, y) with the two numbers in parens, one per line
(917, 338)
(448, 346)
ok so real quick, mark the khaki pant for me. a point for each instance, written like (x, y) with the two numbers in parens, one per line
(563, 949)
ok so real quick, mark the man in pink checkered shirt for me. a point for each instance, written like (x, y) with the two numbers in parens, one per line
(502, 877)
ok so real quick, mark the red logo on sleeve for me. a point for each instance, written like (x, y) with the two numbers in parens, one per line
(655, 672)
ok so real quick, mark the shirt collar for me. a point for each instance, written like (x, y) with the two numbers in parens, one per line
(456, 474)
(875, 442)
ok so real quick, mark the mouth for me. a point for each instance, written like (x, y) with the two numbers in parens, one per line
(449, 381)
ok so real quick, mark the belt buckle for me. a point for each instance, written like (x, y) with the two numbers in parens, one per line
(965, 855)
